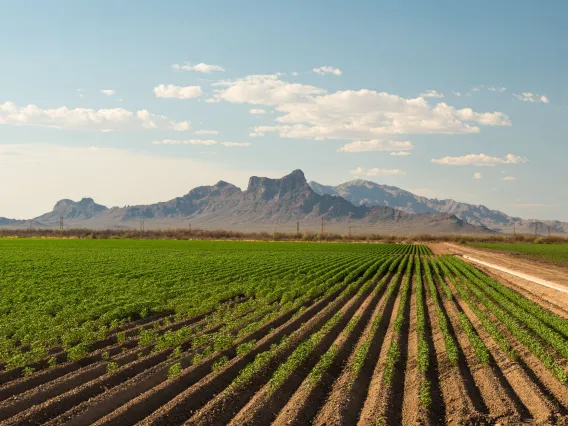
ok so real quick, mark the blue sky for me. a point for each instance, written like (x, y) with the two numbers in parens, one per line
(426, 96)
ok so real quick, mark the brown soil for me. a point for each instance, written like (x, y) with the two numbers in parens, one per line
(503, 391)
(461, 397)
(486, 378)
(376, 403)
(521, 380)
(221, 409)
(303, 406)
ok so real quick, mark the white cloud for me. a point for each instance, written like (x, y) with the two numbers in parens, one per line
(184, 142)
(177, 92)
(257, 111)
(456, 93)
(262, 90)
(400, 153)
(204, 68)
(207, 132)
(480, 160)
(327, 70)
(377, 145)
(497, 89)
(376, 172)
(531, 97)
(308, 112)
(80, 92)
(86, 119)
(113, 177)
(431, 93)
(367, 114)
(384, 172)
(509, 178)
(236, 144)
(108, 92)
(295, 74)
(477, 175)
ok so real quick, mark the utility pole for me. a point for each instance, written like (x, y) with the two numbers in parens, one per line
(141, 225)
(61, 223)
(189, 227)
(298, 227)
(349, 232)
(548, 231)
(322, 226)
(535, 227)
(31, 221)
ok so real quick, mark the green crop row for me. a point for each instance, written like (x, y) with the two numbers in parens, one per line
(452, 348)
(517, 328)
(393, 354)
(425, 393)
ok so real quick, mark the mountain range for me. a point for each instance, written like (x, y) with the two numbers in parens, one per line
(266, 204)
(363, 192)
(283, 204)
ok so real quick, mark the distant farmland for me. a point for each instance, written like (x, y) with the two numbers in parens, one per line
(120, 332)
(557, 253)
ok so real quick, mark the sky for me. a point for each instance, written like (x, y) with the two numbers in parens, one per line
(139, 102)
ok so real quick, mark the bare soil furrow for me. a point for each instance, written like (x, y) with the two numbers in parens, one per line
(521, 376)
(385, 312)
(495, 396)
(56, 397)
(267, 403)
(25, 383)
(63, 366)
(305, 403)
(222, 408)
(138, 400)
(456, 399)
(411, 409)
(129, 365)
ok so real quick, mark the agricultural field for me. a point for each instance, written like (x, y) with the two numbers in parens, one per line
(119, 332)
(555, 253)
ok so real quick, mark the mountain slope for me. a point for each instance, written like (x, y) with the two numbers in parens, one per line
(373, 194)
(265, 204)
(71, 210)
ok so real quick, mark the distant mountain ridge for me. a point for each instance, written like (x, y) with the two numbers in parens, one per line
(266, 202)
(373, 194)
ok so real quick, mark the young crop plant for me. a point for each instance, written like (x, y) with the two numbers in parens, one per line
(112, 367)
(452, 349)
(325, 362)
(481, 351)
(393, 353)
(549, 318)
(540, 328)
(301, 353)
(451, 273)
(174, 370)
(425, 386)
(479, 347)
(78, 352)
(515, 327)
(220, 363)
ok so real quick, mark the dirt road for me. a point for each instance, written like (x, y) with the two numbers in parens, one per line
(553, 299)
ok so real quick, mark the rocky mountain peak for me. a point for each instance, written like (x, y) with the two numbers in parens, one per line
(267, 188)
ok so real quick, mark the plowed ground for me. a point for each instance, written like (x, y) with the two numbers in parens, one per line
(325, 363)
